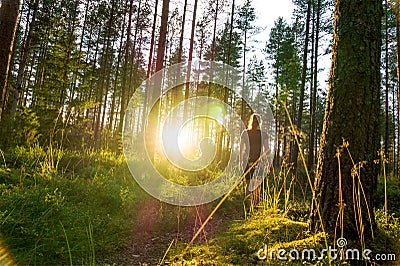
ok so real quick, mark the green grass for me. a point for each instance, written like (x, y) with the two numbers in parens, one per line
(65, 207)
(240, 243)
(283, 226)
(78, 208)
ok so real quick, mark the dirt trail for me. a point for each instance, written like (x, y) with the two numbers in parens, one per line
(157, 225)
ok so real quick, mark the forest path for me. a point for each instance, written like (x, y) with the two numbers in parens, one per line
(157, 225)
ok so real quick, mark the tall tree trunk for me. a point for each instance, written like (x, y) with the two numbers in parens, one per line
(209, 89)
(386, 135)
(163, 36)
(97, 128)
(180, 48)
(9, 12)
(394, 130)
(311, 84)
(152, 126)
(153, 31)
(313, 102)
(242, 112)
(228, 59)
(121, 41)
(190, 58)
(214, 31)
(191, 45)
(352, 113)
(302, 86)
(398, 85)
(125, 69)
(150, 61)
(133, 57)
(22, 64)
(75, 77)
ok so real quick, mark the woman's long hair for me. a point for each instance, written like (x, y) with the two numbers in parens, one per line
(254, 122)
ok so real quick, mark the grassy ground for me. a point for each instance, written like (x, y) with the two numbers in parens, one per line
(257, 239)
(84, 208)
(64, 207)
(281, 223)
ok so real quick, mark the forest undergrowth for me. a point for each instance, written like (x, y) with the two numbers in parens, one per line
(63, 207)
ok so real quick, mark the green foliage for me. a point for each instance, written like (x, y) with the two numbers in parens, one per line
(387, 235)
(23, 131)
(393, 196)
(246, 16)
(222, 46)
(283, 55)
(389, 223)
(82, 198)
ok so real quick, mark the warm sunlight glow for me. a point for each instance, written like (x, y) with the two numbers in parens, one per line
(188, 145)
(4, 257)
(191, 144)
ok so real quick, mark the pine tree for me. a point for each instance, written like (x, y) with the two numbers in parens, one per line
(9, 12)
(351, 125)
(282, 54)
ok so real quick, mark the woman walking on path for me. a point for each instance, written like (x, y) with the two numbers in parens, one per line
(252, 148)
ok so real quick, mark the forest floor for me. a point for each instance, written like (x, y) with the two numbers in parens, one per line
(230, 238)
(84, 208)
(157, 226)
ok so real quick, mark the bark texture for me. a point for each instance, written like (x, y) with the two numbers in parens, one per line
(9, 12)
(352, 114)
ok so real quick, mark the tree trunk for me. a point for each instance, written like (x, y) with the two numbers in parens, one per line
(9, 12)
(121, 41)
(386, 135)
(133, 57)
(191, 44)
(126, 59)
(228, 59)
(22, 65)
(191, 47)
(394, 130)
(180, 48)
(98, 125)
(163, 36)
(242, 112)
(152, 126)
(313, 102)
(303, 85)
(150, 61)
(352, 113)
(311, 84)
(398, 86)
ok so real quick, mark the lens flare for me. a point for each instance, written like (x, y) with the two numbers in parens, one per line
(192, 124)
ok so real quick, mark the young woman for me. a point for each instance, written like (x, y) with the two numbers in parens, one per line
(253, 148)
